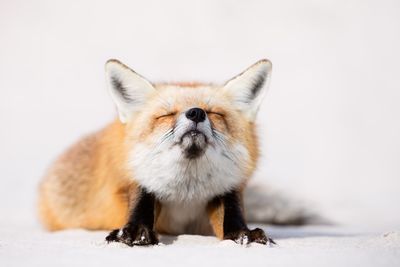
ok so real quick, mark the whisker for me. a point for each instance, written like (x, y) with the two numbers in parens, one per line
(221, 138)
(163, 138)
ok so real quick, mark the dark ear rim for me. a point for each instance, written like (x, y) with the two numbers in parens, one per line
(249, 88)
(118, 62)
(261, 61)
(128, 89)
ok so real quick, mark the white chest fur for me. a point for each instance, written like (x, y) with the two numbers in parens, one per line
(171, 177)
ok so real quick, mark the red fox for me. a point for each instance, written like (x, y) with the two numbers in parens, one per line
(176, 161)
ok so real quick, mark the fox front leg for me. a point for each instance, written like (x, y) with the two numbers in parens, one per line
(228, 222)
(139, 231)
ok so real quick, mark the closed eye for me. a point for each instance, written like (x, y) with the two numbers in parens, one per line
(218, 120)
(166, 115)
(215, 113)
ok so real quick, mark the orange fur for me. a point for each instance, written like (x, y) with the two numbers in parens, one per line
(216, 214)
(88, 186)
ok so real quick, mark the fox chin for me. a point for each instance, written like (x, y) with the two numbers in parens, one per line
(176, 161)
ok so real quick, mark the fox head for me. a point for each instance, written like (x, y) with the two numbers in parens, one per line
(189, 141)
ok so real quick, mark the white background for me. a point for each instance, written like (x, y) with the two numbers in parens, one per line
(329, 126)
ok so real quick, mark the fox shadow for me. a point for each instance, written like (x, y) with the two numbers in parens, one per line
(283, 232)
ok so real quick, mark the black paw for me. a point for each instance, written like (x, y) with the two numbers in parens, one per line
(133, 236)
(246, 236)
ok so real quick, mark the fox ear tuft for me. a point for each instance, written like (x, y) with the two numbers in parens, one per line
(128, 89)
(249, 88)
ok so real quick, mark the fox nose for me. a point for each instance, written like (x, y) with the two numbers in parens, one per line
(196, 114)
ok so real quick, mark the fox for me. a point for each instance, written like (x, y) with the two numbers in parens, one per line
(176, 160)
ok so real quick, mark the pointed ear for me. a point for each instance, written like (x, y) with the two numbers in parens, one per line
(128, 89)
(249, 88)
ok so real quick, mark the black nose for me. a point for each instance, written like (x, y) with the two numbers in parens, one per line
(196, 114)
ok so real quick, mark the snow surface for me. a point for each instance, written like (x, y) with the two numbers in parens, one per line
(296, 246)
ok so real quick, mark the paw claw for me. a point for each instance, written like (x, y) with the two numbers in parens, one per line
(242, 239)
(133, 236)
(245, 237)
(113, 236)
(271, 241)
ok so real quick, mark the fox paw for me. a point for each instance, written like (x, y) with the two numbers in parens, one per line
(244, 237)
(133, 236)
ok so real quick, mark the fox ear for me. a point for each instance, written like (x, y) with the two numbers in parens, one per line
(249, 88)
(128, 89)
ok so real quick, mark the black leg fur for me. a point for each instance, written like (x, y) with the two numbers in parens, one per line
(139, 231)
(235, 227)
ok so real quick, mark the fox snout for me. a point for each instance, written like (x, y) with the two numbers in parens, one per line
(196, 115)
(193, 130)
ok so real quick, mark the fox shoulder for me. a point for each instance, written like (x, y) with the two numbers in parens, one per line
(80, 179)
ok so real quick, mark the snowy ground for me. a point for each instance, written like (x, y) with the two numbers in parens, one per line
(297, 246)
